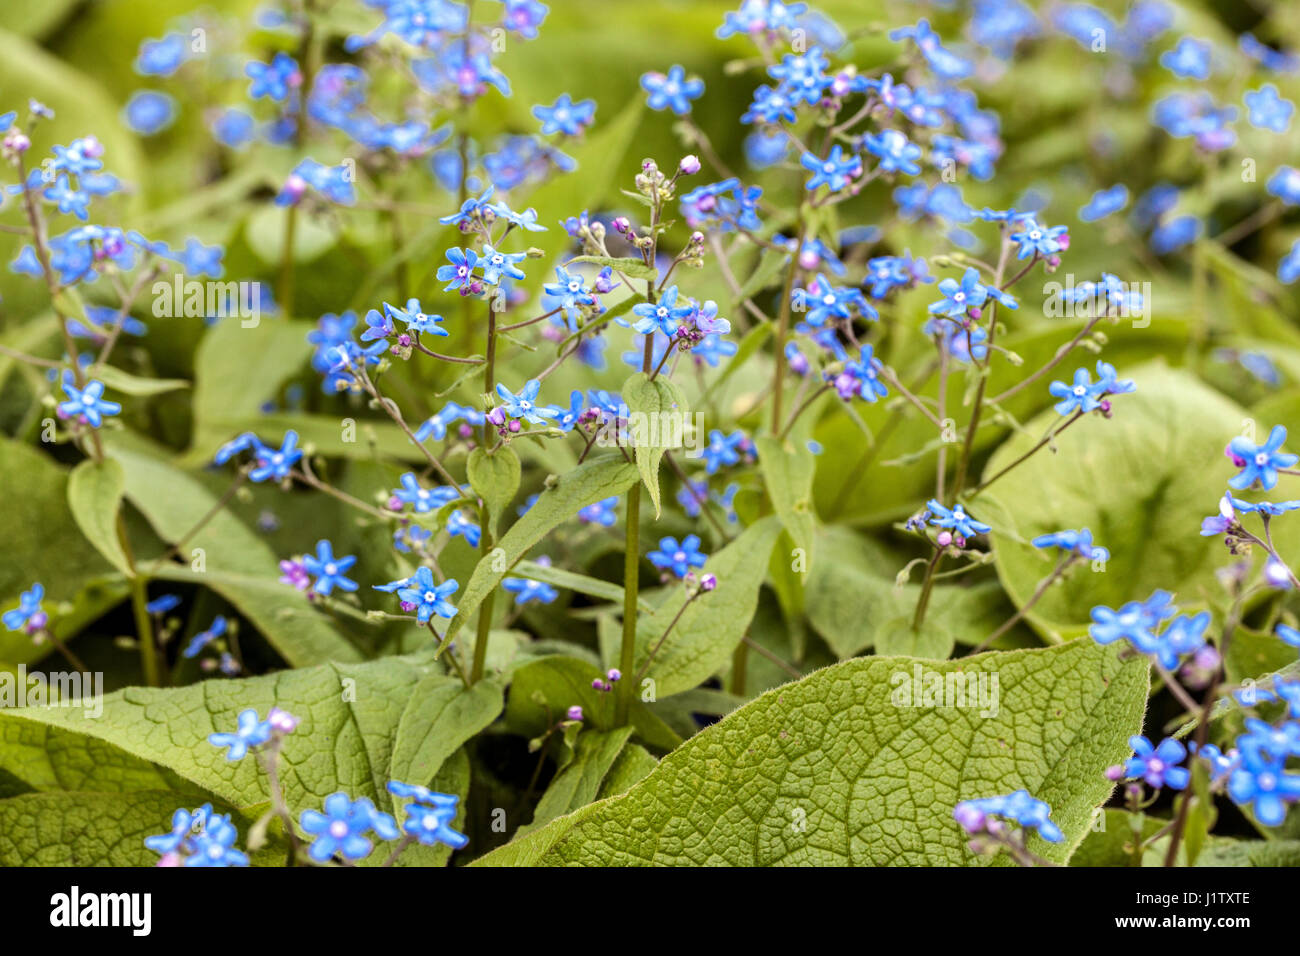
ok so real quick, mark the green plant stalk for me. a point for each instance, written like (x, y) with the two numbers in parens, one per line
(631, 568)
(139, 584)
(484, 632)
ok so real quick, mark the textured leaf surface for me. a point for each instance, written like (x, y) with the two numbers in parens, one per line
(579, 783)
(350, 717)
(494, 478)
(1139, 481)
(788, 473)
(828, 771)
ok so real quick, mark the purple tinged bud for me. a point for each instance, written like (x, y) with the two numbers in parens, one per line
(575, 712)
(465, 431)
(1115, 773)
(970, 819)
(282, 721)
(395, 503)
(944, 538)
(497, 416)
(615, 674)
(622, 224)
(708, 582)
(514, 426)
(690, 165)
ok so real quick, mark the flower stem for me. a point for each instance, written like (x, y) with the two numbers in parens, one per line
(631, 569)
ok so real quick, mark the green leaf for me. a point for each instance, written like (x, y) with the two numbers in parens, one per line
(36, 513)
(658, 416)
(129, 384)
(788, 473)
(579, 783)
(633, 268)
(102, 829)
(350, 716)
(265, 232)
(560, 578)
(50, 758)
(836, 770)
(590, 482)
(94, 496)
(495, 478)
(1138, 480)
(709, 629)
(633, 765)
(440, 717)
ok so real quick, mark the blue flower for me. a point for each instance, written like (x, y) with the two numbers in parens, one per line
(956, 518)
(214, 846)
(864, 373)
(1190, 59)
(328, 569)
(28, 613)
(958, 298)
(163, 603)
(428, 598)
(665, 315)
(673, 91)
(429, 817)
(566, 116)
(423, 499)
(524, 405)
(185, 823)
(1074, 542)
(1135, 622)
(1289, 635)
(1037, 240)
(1158, 766)
(87, 403)
(200, 260)
(526, 591)
(771, 105)
(272, 462)
(460, 526)
(461, 271)
(1019, 807)
(1183, 636)
(1262, 783)
(250, 732)
(1288, 267)
(416, 319)
(802, 76)
(835, 171)
(1174, 234)
(469, 209)
(162, 57)
(570, 289)
(149, 112)
(497, 264)
(1260, 463)
(204, 638)
(69, 201)
(272, 79)
(1082, 396)
(678, 558)
(341, 829)
(566, 419)
(722, 449)
(1105, 202)
(1268, 110)
(1285, 185)
(945, 64)
(602, 513)
(896, 153)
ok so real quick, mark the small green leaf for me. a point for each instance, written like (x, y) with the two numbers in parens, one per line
(94, 496)
(129, 384)
(579, 783)
(632, 268)
(560, 578)
(441, 716)
(788, 473)
(658, 417)
(495, 478)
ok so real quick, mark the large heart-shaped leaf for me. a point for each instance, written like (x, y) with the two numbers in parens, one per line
(840, 769)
